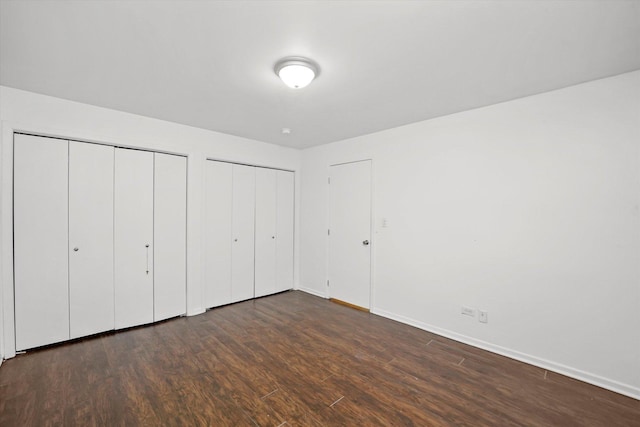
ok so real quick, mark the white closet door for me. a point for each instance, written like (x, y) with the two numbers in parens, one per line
(133, 238)
(41, 234)
(218, 229)
(265, 233)
(90, 238)
(242, 249)
(170, 236)
(284, 232)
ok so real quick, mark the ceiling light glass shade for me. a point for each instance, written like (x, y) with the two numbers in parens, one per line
(296, 72)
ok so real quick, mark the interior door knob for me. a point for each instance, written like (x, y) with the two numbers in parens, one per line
(366, 243)
(76, 249)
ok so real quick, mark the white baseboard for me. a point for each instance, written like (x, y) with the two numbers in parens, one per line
(606, 383)
(196, 312)
(312, 292)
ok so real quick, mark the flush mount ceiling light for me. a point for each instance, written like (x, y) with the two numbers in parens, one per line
(296, 72)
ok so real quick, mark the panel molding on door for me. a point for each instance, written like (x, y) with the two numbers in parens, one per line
(91, 288)
(133, 254)
(243, 246)
(265, 231)
(350, 225)
(170, 236)
(41, 240)
(285, 230)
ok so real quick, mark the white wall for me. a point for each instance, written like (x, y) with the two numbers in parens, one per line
(30, 112)
(529, 209)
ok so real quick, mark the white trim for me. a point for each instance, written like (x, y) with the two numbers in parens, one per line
(327, 225)
(372, 230)
(8, 129)
(373, 236)
(348, 163)
(6, 250)
(196, 312)
(312, 292)
(615, 386)
(99, 142)
(234, 162)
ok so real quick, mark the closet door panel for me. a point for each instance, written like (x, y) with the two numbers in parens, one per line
(133, 238)
(265, 232)
(90, 238)
(243, 216)
(40, 215)
(170, 236)
(285, 230)
(218, 229)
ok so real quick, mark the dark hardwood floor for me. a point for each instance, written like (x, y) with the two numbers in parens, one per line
(287, 360)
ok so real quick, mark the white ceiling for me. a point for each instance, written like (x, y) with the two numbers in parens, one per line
(383, 63)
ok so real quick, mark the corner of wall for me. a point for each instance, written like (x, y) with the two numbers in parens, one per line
(310, 290)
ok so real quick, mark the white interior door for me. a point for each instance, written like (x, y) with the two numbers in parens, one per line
(284, 230)
(218, 233)
(133, 237)
(170, 236)
(40, 221)
(265, 233)
(350, 233)
(242, 246)
(90, 238)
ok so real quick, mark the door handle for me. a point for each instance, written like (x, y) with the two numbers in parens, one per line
(76, 249)
(147, 246)
(366, 243)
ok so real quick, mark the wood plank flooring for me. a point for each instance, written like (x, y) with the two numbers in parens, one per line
(291, 359)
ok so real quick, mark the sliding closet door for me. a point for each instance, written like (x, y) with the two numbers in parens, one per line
(265, 234)
(133, 238)
(242, 248)
(284, 233)
(90, 238)
(218, 233)
(40, 215)
(170, 236)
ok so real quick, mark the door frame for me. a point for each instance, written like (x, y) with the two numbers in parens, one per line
(372, 238)
(7, 131)
(296, 258)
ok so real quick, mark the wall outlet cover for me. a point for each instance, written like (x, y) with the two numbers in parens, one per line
(483, 316)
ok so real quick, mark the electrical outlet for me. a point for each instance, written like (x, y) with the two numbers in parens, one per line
(468, 311)
(483, 316)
